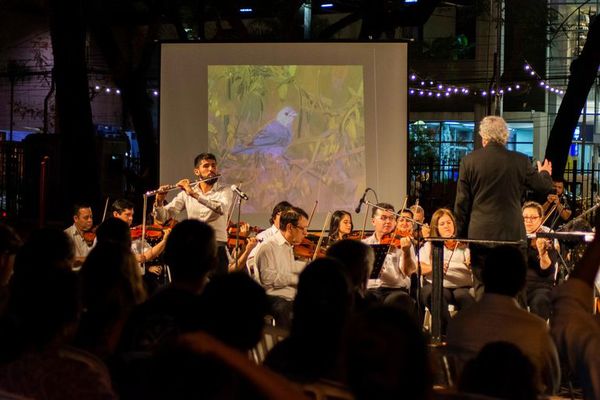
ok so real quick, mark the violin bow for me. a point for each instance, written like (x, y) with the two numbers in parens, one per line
(322, 235)
(105, 208)
(395, 230)
(312, 213)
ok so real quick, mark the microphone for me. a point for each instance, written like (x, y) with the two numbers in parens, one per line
(239, 192)
(361, 201)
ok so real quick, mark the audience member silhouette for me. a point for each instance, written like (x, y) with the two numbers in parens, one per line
(10, 243)
(112, 286)
(386, 356)
(501, 371)
(357, 260)
(498, 317)
(233, 308)
(321, 308)
(40, 322)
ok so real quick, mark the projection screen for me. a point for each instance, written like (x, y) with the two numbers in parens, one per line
(302, 122)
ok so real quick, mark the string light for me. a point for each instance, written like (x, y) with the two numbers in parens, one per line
(542, 83)
(97, 89)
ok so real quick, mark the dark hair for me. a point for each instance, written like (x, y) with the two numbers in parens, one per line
(504, 271)
(121, 205)
(291, 216)
(279, 208)
(191, 250)
(10, 242)
(203, 156)
(45, 247)
(385, 206)
(223, 315)
(502, 371)
(114, 230)
(357, 259)
(387, 356)
(79, 206)
(336, 219)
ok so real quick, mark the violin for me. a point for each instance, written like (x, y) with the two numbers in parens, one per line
(154, 232)
(89, 236)
(245, 231)
(306, 249)
(452, 244)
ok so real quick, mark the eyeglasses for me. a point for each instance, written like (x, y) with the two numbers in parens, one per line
(530, 217)
(302, 228)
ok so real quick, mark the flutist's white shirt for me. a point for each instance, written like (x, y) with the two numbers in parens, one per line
(211, 207)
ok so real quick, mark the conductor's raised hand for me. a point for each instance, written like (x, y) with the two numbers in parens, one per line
(546, 166)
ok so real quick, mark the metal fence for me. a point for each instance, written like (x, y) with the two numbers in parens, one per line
(11, 178)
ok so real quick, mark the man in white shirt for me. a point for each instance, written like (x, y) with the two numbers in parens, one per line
(393, 283)
(261, 237)
(83, 220)
(276, 265)
(207, 201)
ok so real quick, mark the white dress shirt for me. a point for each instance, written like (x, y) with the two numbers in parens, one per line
(82, 249)
(211, 207)
(392, 273)
(277, 268)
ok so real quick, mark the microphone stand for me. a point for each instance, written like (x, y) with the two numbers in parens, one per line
(237, 232)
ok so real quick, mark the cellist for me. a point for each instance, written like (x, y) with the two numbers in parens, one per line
(393, 283)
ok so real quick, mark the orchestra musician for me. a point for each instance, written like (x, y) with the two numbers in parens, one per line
(143, 251)
(83, 220)
(423, 230)
(340, 226)
(208, 201)
(261, 237)
(490, 183)
(458, 280)
(541, 262)
(393, 283)
(562, 212)
(277, 267)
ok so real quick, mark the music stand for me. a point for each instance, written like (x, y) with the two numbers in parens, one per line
(381, 251)
(437, 280)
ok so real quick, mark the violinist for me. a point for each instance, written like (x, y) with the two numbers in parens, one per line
(238, 263)
(340, 226)
(458, 280)
(80, 232)
(541, 262)
(393, 283)
(144, 252)
(208, 201)
(277, 267)
(419, 231)
(557, 200)
(261, 237)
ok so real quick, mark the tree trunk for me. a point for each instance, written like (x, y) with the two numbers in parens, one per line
(583, 73)
(78, 166)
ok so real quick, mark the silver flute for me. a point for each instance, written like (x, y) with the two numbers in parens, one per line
(173, 187)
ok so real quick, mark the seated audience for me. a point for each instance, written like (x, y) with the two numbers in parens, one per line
(501, 371)
(498, 317)
(386, 356)
(575, 329)
(112, 286)
(322, 305)
(41, 320)
(357, 261)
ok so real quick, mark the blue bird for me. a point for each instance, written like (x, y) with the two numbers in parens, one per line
(274, 138)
